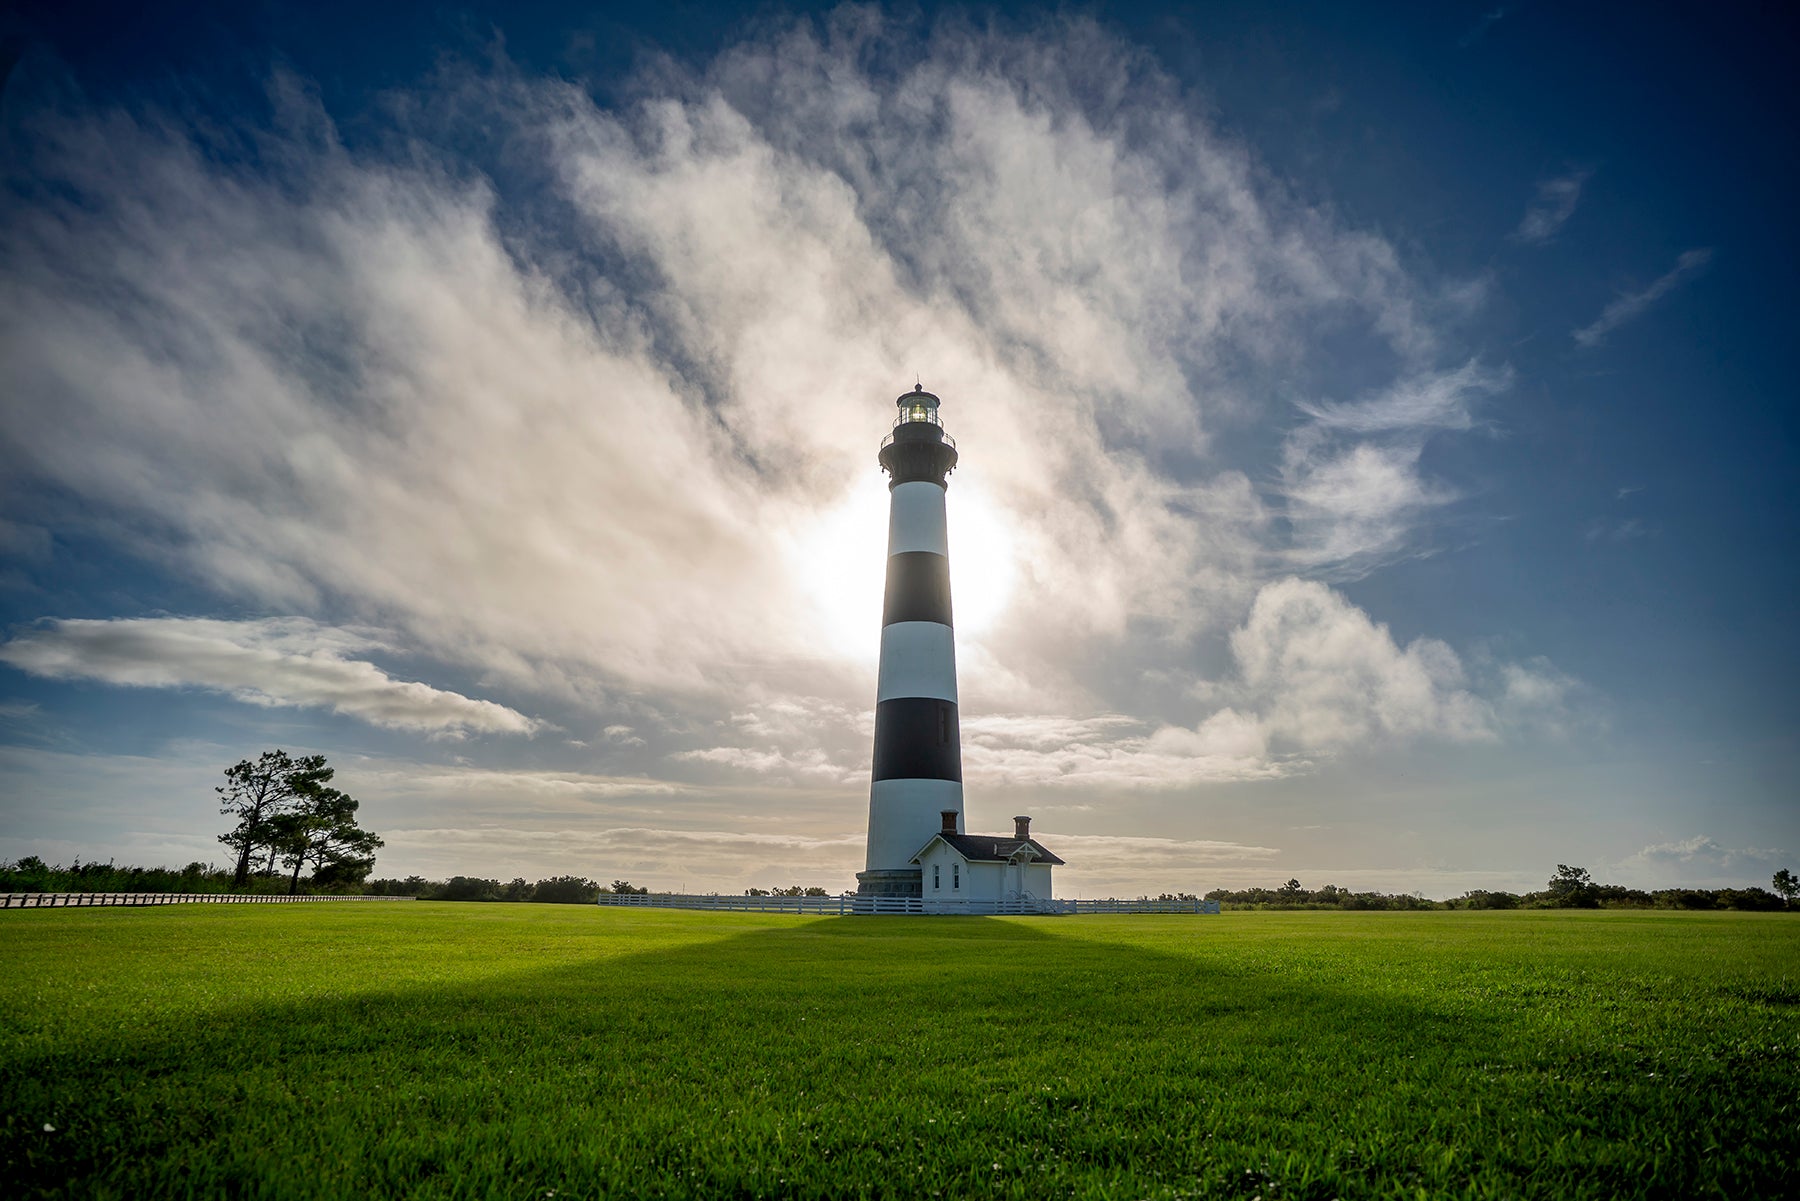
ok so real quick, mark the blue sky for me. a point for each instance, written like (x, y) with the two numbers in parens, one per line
(1376, 453)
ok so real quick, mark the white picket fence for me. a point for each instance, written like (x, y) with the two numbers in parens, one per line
(1143, 905)
(851, 903)
(66, 900)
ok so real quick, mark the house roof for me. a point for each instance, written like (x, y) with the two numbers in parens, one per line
(989, 848)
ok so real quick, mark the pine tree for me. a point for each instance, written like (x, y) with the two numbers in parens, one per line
(260, 793)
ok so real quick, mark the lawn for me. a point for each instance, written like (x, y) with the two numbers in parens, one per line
(442, 1050)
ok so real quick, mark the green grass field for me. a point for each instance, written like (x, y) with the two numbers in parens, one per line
(441, 1050)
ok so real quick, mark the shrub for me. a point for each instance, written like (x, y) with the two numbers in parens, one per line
(565, 890)
(468, 888)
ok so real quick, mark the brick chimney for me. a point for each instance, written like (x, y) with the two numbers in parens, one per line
(1022, 828)
(949, 816)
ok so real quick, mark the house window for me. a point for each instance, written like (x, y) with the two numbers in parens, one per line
(956, 875)
(935, 869)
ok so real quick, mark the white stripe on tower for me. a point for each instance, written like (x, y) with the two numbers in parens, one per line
(918, 744)
(916, 518)
(918, 658)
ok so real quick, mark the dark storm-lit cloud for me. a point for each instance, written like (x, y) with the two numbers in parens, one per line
(1556, 202)
(290, 662)
(1629, 306)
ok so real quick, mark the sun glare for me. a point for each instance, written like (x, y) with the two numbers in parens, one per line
(983, 562)
(841, 559)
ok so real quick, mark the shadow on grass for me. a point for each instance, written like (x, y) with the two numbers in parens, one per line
(833, 1057)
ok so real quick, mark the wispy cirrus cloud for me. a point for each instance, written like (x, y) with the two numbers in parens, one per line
(1113, 752)
(1355, 494)
(277, 662)
(1479, 30)
(1629, 306)
(1180, 850)
(1556, 201)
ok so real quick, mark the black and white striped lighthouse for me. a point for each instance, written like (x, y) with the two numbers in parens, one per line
(917, 779)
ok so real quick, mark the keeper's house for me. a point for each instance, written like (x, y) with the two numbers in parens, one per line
(958, 869)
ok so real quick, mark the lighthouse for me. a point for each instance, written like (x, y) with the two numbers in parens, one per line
(916, 786)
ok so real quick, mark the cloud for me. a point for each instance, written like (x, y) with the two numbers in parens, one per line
(1555, 204)
(546, 434)
(584, 399)
(1314, 677)
(1099, 852)
(277, 662)
(462, 785)
(1113, 752)
(1329, 678)
(1485, 22)
(711, 860)
(24, 542)
(1697, 862)
(1607, 529)
(788, 740)
(1434, 400)
(1701, 849)
(1354, 488)
(1629, 306)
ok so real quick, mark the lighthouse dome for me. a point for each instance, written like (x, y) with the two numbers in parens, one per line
(918, 405)
(918, 449)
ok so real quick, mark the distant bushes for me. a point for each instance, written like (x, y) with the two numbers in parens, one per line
(1574, 888)
(1292, 896)
(1614, 896)
(1570, 888)
(558, 890)
(32, 874)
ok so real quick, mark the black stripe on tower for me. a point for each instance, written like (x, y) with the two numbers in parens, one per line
(918, 588)
(917, 738)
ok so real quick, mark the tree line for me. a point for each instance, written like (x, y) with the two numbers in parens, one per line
(1569, 888)
(557, 890)
(32, 874)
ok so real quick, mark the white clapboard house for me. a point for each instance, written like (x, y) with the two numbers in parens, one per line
(959, 871)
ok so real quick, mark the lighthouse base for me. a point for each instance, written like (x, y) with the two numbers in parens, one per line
(891, 882)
